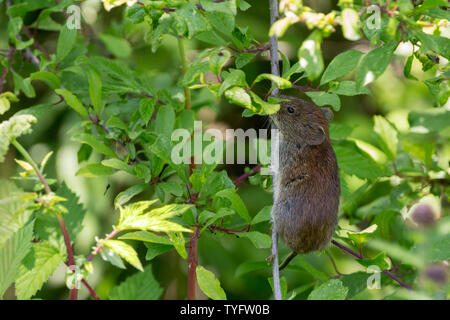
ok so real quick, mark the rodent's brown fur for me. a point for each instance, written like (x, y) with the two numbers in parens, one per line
(306, 185)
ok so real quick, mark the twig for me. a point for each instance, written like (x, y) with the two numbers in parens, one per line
(386, 272)
(246, 175)
(275, 69)
(91, 291)
(100, 245)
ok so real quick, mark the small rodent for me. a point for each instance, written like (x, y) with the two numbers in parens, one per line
(306, 184)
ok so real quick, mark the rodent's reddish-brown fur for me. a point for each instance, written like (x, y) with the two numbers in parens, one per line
(306, 185)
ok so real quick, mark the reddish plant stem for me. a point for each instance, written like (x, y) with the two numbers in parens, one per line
(386, 272)
(246, 175)
(192, 261)
(101, 244)
(230, 231)
(91, 291)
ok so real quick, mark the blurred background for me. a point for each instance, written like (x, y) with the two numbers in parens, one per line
(393, 96)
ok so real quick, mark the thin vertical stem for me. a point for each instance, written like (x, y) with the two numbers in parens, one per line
(192, 264)
(184, 63)
(275, 71)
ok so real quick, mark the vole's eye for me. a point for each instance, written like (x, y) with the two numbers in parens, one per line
(290, 109)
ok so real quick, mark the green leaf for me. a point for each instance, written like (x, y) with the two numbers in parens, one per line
(280, 82)
(119, 165)
(128, 194)
(209, 284)
(118, 46)
(431, 120)
(66, 42)
(94, 170)
(341, 65)
(223, 21)
(177, 240)
(397, 252)
(350, 24)
(14, 212)
(270, 107)
(379, 261)
(156, 249)
(355, 282)
(323, 98)
(146, 108)
(72, 101)
(238, 96)
(134, 216)
(249, 266)
(301, 262)
(75, 211)
(259, 240)
(113, 258)
(165, 121)
(374, 63)
(96, 144)
(146, 237)
(95, 89)
(24, 85)
(192, 19)
(218, 59)
(232, 78)
(263, 215)
(40, 264)
(49, 78)
(354, 162)
(310, 55)
(12, 252)
(125, 251)
(348, 88)
(140, 286)
(236, 202)
(387, 136)
(331, 290)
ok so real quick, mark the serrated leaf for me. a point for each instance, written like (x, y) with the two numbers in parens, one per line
(134, 217)
(140, 286)
(146, 237)
(126, 252)
(12, 252)
(41, 263)
(14, 211)
(209, 284)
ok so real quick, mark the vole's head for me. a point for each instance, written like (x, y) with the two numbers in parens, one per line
(301, 121)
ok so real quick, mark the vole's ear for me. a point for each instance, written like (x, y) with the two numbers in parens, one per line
(317, 136)
(327, 113)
